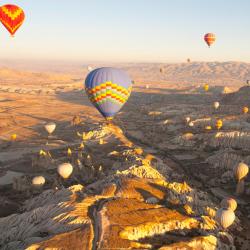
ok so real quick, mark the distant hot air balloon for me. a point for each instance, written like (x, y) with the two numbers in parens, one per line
(229, 203)
(245, 110)
(50, 127)
(188, 60)
(248, 82)
(191, 124)
(206, 87)
(208, 127)
(225, 217)
(12, 17)
(161, 70)
(65, 170)
(89, 68)
(187, 119)
(209, 39)
(241, 171)
(216, 105)
(38, 181)
(13, 137)
(219, 124)
(108, 89)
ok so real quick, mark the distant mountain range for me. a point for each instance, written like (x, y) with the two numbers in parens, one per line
(221, 73)
(215, 73)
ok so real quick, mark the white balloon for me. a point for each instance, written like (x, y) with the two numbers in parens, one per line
(241, 171)
(50, 127)
(65, 170)
(191, 124)
(216, 105)
(225, 217)
(38, 181)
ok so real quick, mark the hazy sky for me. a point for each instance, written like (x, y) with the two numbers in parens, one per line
(130, 30)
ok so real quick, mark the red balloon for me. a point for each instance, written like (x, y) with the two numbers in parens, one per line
(12, 17)
(209, 39)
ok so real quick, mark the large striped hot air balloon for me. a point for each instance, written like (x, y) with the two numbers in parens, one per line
(209, 39)
(12, 17)
(108, 89)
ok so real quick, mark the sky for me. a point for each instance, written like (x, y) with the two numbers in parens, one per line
(129, 31)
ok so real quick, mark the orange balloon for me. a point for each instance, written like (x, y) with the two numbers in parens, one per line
(245, 110)
(209, 39)
(12, 17)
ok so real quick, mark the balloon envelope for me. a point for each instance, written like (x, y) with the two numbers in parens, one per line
(245, 110)
(206, 87)
(65, 170)
(241, 171)
(216, 105)
(108, 89)
(188, 119)
(229, 203)
(225, 217)
(219, 124)
(50, 127)
(38, 181)
(12, 17)
(209, 39)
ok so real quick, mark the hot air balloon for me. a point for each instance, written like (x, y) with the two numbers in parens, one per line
(50, 127)
(208, 127)
(240, 172)
(38, 181)
(191, 124)
(108, 89)
(13, 137)
(12, 17)
(248, 82)
(245, 110)
(188, 60)
(89, 68)
(161, 70)
(69, 152)
(229, 203)
(216, 105)
(219, 124)
(225, 217)
(187, 119)
(209, 39)
(65, 170)
(206, 87)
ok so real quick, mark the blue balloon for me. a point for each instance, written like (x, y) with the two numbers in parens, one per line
(108, 89)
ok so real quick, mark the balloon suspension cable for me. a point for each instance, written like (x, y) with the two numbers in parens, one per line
(47, 142)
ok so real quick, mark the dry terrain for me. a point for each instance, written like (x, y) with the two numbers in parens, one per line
(147, 181)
